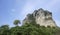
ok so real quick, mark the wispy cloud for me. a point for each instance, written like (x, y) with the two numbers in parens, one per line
(13, 10)
(52, 3)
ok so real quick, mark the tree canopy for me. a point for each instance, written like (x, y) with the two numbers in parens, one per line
(16, 22)
(28, 29)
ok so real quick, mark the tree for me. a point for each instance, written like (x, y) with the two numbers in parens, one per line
(4, 30)
(16, 22)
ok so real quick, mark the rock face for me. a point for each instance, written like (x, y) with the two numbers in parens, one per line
(42, 17)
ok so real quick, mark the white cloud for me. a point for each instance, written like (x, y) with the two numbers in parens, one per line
(13, 10)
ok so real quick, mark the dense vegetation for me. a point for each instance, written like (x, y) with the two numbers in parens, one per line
(28, 29)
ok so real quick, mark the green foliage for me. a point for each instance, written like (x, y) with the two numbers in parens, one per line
(33, 22)
(28, 29)
(4, 30)
(16, 22)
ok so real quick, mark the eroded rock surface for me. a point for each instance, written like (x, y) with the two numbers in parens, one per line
(42, 17)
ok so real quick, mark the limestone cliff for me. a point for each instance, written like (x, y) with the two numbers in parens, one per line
(42, 17)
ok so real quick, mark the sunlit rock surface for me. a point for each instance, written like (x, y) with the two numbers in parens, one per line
(42, 17)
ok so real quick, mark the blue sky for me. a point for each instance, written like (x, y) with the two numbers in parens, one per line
(18, 9)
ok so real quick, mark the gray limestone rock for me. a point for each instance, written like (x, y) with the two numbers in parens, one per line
(42, 17)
